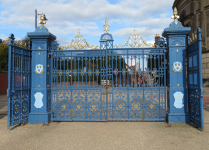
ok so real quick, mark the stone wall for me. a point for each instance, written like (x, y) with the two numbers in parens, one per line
(195, 14)
(205, 65)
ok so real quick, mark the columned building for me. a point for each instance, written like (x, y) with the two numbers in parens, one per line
(195, 14)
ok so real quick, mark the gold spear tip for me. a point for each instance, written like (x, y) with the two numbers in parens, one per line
(175, 15)
(106, 26)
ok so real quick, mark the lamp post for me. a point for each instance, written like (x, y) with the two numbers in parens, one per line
(36, 14)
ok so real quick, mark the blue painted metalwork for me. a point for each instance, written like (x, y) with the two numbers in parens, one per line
(104, 85)
(40, 82)
(19, 83)
(194, 76)
(107, 84)
(177, 106)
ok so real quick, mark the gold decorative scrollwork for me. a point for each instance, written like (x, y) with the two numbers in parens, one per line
(135, 41)
(78, 43)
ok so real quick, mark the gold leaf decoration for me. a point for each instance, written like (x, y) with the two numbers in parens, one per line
(135, 41)
(78, 43)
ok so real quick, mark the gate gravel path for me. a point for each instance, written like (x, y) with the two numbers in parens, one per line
(102, 135)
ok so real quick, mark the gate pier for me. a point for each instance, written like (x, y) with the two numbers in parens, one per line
(176, 73)
(40, 75)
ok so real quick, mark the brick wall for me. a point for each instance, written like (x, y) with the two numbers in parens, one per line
(205, 65)
(3, 82)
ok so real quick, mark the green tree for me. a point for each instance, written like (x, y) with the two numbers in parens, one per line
(3, 57)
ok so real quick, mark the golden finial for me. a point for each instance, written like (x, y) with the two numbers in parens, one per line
(106, 26)
(42, 19)
(135, 30)
(175, 15)
(78, 32)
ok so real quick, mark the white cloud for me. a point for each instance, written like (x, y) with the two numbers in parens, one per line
(67, 16)
(3, 37)
(144, 32)
(63, 41)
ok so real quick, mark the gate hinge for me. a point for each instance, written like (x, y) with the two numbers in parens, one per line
(202, 91)
(8, 92)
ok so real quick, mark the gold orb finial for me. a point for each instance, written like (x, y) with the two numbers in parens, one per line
(106, 26)
(42, 19)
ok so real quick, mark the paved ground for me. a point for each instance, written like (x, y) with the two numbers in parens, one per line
(102, 135)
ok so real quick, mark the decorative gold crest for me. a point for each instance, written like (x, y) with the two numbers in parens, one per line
(177, 67)
(39, 69)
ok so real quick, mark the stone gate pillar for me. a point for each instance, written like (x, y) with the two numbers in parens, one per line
(40, 74)
(176, 72)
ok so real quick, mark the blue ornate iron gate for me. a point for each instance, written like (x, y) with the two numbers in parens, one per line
(104, 84)
(195, 86)
(19, 87)
(107, 84)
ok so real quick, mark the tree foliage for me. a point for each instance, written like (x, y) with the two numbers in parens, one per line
(3, 57)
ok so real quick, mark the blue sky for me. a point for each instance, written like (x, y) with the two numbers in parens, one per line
(65, 17)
